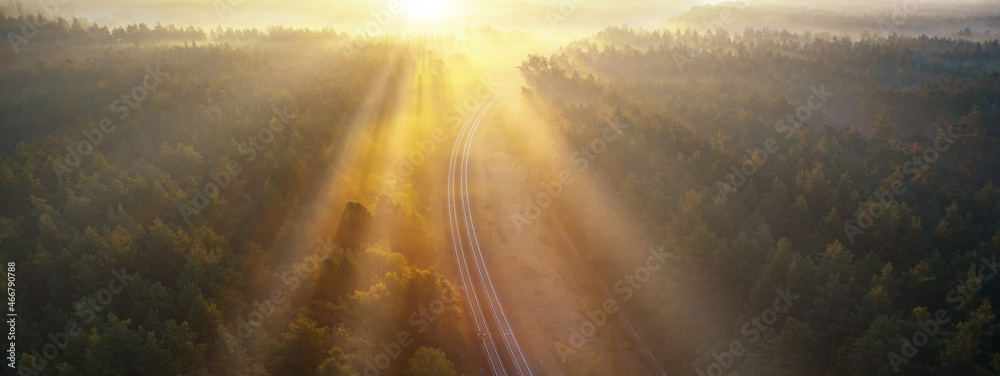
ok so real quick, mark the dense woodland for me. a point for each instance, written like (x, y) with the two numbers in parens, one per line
(693, 105)
(230, 289)
(908, 17)
(123, 280)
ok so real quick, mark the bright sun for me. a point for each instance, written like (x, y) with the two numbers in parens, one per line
(427, 10)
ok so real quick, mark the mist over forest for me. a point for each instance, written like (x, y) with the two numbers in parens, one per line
(564, 187)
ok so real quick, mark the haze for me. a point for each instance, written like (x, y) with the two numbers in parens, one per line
(446, 187)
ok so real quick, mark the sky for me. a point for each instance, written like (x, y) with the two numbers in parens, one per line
(379, 15)
(563, 18)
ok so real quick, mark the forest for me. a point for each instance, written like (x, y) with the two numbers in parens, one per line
(875, 206)
(179, 200)
(163, 233)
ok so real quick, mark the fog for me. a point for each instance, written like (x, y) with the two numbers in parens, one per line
(445, 187)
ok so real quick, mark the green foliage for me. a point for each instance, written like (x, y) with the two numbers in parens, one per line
(905, 112)
(428, 361)
(247, 285)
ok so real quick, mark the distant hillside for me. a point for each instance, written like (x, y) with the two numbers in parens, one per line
(965, 20)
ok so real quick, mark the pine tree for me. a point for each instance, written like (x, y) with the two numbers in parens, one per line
(886, 125)
(428, 361)
(303, 347)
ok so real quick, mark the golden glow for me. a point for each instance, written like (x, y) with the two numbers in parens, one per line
(427, 10)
